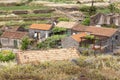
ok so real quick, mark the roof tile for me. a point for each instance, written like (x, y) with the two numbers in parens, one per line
(13, 35)
(41, 26)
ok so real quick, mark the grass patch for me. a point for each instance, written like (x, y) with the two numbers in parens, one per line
(37, 15)
(103, 67)
(23, 7)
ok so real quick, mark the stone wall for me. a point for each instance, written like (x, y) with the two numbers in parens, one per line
(69, 42)
(46, 55)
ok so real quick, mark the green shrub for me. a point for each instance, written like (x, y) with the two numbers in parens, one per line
(63, 19)
(7, 57)
(57, 30)
(86, 21)
(92, 10)
(84, 8)
(25, 43)
(51, 42)
(90, 37)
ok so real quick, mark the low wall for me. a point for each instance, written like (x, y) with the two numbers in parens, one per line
(46, 55)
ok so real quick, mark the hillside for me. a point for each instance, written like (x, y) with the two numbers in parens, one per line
(102, 67)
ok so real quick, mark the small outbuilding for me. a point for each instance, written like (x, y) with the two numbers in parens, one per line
(40, 31)
(12, 39)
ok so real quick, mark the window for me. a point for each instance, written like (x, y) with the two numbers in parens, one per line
(116, 37)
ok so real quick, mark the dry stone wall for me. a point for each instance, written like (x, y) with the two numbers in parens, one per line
(46, 55)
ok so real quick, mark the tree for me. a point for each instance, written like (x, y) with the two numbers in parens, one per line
(92, 9)
(25, 43)
(112, 8)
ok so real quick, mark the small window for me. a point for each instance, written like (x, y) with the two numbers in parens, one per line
(116, 37)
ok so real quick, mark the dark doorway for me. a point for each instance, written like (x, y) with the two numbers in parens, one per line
(15, 44)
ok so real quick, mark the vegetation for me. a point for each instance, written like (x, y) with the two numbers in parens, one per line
(86, 21)
(58, 30)
(51, 42)
(92, 10)
(103, 10)
(103, 67)
(23, 7)
(6, 55)
(91, 37)
(85, 8)
(61, 1)
(113, 8)
(63, 19)
(110, 26)
(37, 15)
(25, 43)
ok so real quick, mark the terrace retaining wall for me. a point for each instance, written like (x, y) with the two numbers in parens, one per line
(46, 55)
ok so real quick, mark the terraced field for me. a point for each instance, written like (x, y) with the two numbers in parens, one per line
(26, 15)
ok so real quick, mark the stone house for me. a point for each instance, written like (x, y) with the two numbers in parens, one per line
(40, 31)
(72, 41)
(67, 25)
(105, 19)
(105, 39)
(12, 39)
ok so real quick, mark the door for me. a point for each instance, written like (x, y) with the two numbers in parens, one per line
(15, 44)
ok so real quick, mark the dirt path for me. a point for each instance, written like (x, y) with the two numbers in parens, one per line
(9, 1)
(52, 4)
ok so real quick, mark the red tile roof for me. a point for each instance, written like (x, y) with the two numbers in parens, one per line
(13, 35)
(79, 27)
(101, 31)
(77, 37)
(41, 26)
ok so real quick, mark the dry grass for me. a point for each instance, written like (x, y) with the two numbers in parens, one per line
(102, 67)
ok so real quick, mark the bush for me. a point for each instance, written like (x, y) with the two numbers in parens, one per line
(86, 21)
(84, 8)
(92, 10)
(25, 43)
(90, 37)
(58, 30)
(7, 56)
(51, 42)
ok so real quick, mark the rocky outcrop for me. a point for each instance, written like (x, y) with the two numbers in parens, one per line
(107, 19)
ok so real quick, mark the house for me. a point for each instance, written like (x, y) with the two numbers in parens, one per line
(67, 25)
(12, 39)
(105, 19)
(104, 38)
(40, 31)
(72, 41)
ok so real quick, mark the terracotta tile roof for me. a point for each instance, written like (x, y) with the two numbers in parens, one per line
(13, 35)
(101, 31)
(79, 27)
(41, 26)
(77, 37)
(67, 25)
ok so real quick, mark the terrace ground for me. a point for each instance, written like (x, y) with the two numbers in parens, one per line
(9, 1)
